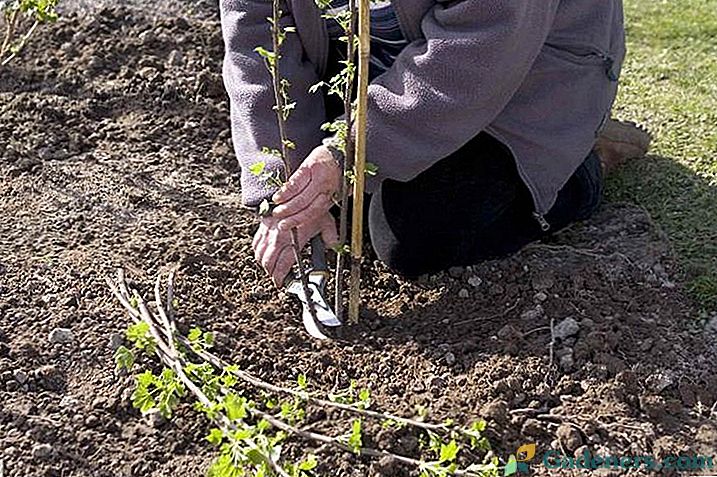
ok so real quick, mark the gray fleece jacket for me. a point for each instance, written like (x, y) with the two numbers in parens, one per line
(539, 75)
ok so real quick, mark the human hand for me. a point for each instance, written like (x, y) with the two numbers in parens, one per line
(273, 247)
(303, 204)
(310, 191)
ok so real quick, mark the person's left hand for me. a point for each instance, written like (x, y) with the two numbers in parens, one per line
(302, 203)
(273, 246)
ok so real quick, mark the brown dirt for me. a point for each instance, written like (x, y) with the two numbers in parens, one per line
(113, 157)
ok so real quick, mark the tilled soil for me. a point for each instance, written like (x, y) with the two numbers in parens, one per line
(116, 152)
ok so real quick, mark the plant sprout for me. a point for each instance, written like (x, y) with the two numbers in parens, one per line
(252, 420)
(13, 11)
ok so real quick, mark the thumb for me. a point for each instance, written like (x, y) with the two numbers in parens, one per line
(328, 231)
(296, 184)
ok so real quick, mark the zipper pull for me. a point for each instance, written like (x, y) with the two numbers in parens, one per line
(544, 225)
(610, 68)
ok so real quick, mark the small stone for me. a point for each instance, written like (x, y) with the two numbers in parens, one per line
(61, 335)
(540, 297)
(92, 421)
(147, 72)
(463, 293)
(532, 428)
(569, 436)
(100, 402)
(567, 327)
(147, 36)
(587, 323)
(450, 359)
(456, 272)
(387, 465)
(659, 381)
(712, 324)
(41, 451)
(533, 314)
(20, 376)
(176, 58)
(11, 451)
(567, 362)
(154, 418)
(508, 332)
(116, 340)
(436, 382)
(495, 411)
(475, 281)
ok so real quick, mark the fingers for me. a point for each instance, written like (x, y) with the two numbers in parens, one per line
(328, 231)
(312, 213)
(297, 183)
(284, 262)
(273, 247)
(296, 204)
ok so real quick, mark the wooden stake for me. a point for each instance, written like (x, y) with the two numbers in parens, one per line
(364, 32)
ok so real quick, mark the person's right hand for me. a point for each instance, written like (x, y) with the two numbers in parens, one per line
(273, 247)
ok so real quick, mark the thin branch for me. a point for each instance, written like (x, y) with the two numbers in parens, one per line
(169, 357)
(22, 43)
(11, 21)
(283, 139)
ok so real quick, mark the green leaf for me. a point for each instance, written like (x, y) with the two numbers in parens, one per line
(309, 463)
(124, 358)
(258, 168)
(208, 339)
(194, 334)
(355, 440)
(215, 437)
(301, 381)
(235, 407)
(371, 169)
(138, 334)
(449, 452)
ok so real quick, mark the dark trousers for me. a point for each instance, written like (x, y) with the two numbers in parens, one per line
(468, 207)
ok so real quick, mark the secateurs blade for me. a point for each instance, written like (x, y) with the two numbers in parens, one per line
(317, 278)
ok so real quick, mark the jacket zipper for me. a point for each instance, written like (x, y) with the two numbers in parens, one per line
(540, 218)
(590, 52)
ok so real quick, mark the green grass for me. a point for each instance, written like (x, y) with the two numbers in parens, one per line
(670, 85)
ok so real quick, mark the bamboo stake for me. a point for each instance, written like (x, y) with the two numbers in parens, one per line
(364, 32)
(348, 165)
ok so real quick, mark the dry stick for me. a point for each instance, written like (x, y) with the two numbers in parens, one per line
(280, 110)
(364, 451)
(23, 42)
(168, 354)
(174, 361)
(348, 164)
(121, 292)
(11, 25)
(364, 18)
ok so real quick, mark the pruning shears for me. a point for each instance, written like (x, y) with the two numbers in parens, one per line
(317, 278)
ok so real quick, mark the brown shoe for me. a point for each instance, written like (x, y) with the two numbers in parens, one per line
(621, 141)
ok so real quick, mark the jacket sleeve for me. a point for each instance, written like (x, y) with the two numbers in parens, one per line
(444, 89)
(251, 95)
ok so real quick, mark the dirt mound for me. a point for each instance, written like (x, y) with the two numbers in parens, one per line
(118, 154)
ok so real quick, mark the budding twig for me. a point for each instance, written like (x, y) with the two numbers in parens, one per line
(281, 114)
(163, 330)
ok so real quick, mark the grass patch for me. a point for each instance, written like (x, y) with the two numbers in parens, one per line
(670, 85)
